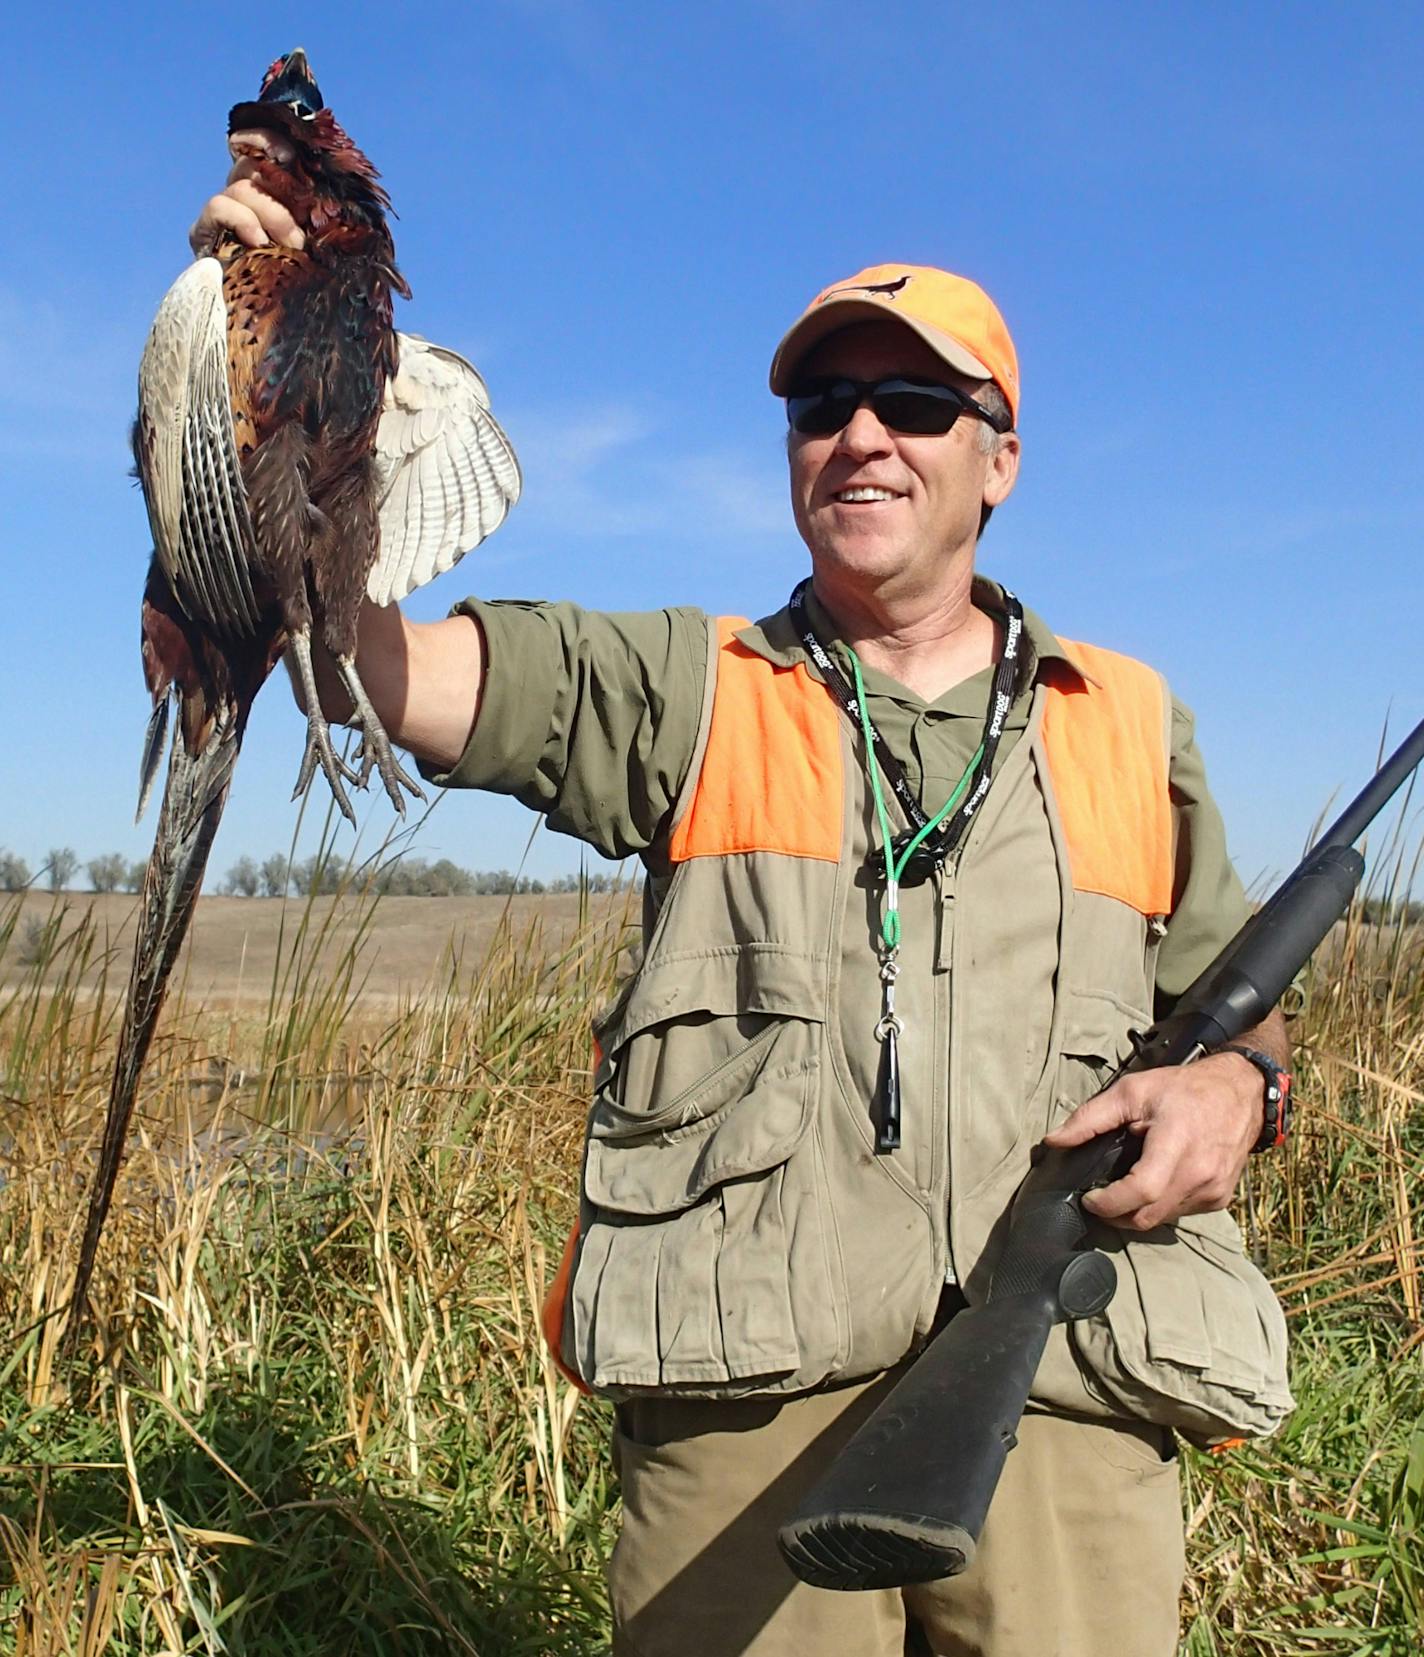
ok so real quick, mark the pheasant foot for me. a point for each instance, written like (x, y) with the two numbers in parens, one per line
(376, 747)
(318, 749)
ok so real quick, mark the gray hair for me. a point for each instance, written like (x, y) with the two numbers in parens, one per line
(998, 405)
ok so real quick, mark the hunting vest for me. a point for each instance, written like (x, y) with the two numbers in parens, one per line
(738, 1232)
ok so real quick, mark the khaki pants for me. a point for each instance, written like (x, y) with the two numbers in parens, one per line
(1082, 1554)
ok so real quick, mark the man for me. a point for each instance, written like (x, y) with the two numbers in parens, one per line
(817, 1095)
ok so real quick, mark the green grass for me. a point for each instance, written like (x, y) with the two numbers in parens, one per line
(1314, 1540)
(313, 1415)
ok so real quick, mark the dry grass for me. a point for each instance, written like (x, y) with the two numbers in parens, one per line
(313, 1415)
(1314, 1541)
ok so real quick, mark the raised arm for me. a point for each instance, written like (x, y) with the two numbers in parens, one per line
(424, 679)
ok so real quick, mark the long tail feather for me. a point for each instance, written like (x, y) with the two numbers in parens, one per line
(193, 801)
(152, 753)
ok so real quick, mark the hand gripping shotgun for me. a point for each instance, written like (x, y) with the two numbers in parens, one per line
(906, 1499)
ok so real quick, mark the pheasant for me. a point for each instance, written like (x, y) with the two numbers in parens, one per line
(297, 455)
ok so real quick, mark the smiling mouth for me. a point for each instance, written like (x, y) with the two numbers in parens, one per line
(861, 494)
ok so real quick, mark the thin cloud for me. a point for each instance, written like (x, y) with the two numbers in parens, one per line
(611, 473)
(731, 494)
(598, 473)
(1266, 534)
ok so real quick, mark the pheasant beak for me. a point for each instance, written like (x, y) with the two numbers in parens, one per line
(290, 81)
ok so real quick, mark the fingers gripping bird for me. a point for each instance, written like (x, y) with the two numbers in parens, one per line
(296, 455)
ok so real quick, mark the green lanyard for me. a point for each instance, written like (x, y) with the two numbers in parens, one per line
(891, 1026)
(890, 924)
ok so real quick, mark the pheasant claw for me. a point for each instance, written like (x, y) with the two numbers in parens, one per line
(376, 750)
(318, 749)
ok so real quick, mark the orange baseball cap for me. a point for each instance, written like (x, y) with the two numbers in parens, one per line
(952, 315)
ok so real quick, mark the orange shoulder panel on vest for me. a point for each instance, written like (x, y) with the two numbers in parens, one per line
(771, 773)
(1108, 757)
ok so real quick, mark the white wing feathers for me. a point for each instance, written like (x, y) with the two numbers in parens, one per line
(446, 473)
(187, 455)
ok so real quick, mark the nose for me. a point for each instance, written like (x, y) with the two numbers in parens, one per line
(863, 435)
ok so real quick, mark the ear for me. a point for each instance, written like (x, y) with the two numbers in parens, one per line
(1002, 472)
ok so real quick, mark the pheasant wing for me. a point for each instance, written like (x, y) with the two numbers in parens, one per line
(447, 475)
(187, 456)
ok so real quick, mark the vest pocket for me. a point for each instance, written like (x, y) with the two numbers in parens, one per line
(1096, 1039)
(1194, 1337)
(706, 1252)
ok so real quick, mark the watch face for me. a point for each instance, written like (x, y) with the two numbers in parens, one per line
(1277, 1117)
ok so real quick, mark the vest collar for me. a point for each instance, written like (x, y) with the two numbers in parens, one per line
(774, 639)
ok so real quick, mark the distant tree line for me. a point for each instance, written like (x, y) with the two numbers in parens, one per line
(275, 877)
(1384, 912)
(404, 877)
(111, 873)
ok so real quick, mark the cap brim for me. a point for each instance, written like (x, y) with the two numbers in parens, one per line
(841, 313)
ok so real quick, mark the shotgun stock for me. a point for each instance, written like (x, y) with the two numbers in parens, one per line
(906, 1499)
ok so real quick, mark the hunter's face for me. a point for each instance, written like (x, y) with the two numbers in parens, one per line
(875, 505)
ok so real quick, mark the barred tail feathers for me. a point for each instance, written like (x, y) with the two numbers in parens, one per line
(193, 800)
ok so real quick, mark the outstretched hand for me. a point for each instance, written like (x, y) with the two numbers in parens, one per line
(1198, 1122)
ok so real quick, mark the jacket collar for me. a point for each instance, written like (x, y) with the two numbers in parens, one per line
(775, 640)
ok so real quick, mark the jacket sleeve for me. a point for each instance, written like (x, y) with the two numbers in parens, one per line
(589, 717)
(1210, 905)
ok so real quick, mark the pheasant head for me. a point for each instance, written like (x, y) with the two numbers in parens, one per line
(300, 154)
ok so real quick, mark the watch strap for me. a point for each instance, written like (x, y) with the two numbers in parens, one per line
(1275, 1105)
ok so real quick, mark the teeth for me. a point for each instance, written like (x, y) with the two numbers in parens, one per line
(865, 494)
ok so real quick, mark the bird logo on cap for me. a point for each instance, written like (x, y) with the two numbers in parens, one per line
(890, 290)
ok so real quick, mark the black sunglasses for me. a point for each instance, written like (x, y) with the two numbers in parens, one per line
(818, 408)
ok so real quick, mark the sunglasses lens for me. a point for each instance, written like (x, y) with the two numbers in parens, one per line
(918, 410)
(819, 413)
(921, 410)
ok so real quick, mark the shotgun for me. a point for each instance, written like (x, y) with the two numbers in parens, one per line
(906, 1498)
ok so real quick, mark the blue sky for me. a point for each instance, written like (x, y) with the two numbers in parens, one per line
(1202, 223)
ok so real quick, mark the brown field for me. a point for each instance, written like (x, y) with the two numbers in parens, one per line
(406, 944)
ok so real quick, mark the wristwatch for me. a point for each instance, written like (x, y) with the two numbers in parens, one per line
(1276, 1110)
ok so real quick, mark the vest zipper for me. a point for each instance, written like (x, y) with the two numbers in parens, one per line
(944, 879)
(1156, 931)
